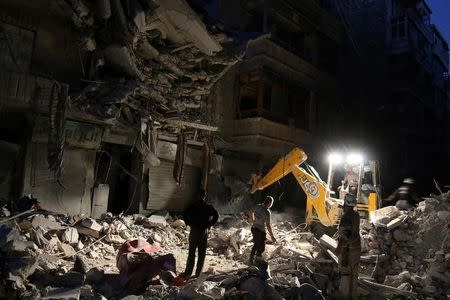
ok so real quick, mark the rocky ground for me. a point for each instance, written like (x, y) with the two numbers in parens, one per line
(46, 256)
(410, 250)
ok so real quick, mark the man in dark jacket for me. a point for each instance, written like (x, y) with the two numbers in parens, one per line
(405, 196)
(349, 249)
(200, 216)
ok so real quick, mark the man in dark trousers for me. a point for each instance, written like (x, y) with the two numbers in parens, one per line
(405, 196)
(200, 216)
(349, 249)
(260, 216)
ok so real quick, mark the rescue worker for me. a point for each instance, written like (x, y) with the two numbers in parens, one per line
(200, 217)
(405, 196)
(350, 182)
(349, 249)
(260, 216)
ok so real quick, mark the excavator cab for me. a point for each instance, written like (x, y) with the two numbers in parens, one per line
(359, 176)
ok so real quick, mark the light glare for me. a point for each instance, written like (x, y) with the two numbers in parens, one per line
(354, 158)
(335, 158)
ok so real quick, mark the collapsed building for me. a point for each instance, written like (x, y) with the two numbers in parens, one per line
(91, 92)
(97, 96)
(111, 110)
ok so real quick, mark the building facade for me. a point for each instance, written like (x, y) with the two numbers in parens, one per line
(280, 95)
(394, 74)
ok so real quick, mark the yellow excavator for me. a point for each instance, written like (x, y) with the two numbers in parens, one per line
(320, 206)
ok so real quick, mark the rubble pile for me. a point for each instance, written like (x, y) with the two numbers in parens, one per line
(151, 60)
(411, 249)
(52, 257)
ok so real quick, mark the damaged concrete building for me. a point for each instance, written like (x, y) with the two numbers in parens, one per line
(91, 92)
(96, 96)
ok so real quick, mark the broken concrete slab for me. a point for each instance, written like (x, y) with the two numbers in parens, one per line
(47, 223)
(70, 236)
(396, 222)
(384, 215)
(91, 224)
(88, 231)
(328, 242)
(157, 220)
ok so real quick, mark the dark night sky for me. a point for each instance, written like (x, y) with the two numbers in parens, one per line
(441, 16)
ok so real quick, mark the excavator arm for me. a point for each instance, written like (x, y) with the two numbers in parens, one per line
(316, 191)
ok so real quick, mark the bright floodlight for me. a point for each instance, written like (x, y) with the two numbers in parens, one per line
(354, 158)
(335, 158)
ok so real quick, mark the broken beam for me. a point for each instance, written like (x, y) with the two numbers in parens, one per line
(386, 288)
(179, 123)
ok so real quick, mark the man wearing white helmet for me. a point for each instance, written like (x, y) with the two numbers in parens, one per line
(405, 196)
(349, 249)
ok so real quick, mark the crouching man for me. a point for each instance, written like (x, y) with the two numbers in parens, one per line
(260, 216)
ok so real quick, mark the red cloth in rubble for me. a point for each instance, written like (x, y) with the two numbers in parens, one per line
(138, 267)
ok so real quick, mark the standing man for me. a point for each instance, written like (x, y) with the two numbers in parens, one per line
(349, 249)
(405, 196)
(200, 216)
(350, 182)
(260, 216)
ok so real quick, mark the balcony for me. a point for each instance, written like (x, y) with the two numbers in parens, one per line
(259, 135)
(264, 52)
(408, 39)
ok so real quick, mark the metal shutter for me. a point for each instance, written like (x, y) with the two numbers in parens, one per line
(165, 194)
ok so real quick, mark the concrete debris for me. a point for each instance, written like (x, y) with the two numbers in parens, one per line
(70, 236)
(396, 222)
(80, 245)
(47, 223)
(66, 249)
(114, 239)
(384, 215)
(328, 242)
(409, 255)
(4, 212)
(411, 247)
(178, 224)
(155, 220)
(89, 227)
(91, 224)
